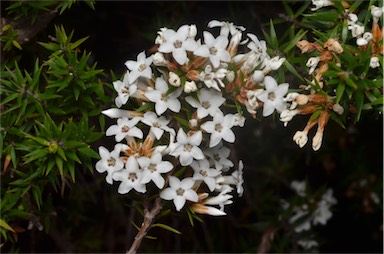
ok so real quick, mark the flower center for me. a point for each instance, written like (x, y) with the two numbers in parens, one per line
(271, 96)
(132, 177)
(156, 124)
(142, 67)
(177, 44)
(187, 147)
(124, 90)
(207, 77)
(216, 157)
(203, 173)
(213, 51)
(206, 104)
(125, 128)
(218, 127)
(152, 167)
(111, 162)
(164, 97)
(180, 191)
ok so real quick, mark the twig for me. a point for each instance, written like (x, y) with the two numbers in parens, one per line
(266, 240)
(149, 216)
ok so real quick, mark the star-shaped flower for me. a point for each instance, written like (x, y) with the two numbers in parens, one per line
(272, 96)
(188, 147)
(139, 68)
(130, 177)
(219, 156)
(124, 89)
(220, 128)
(158, 124)
(125, 127)
(180, 191)
(162, 100)
(153, 167)
(214, 49)
(110, 161)
(208, 104)
(205, 173)
(212, 79)
(178, 43)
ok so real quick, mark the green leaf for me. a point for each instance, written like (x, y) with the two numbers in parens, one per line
(169, 228)
(359, 100)
(77, 43)
(59, 163)
(16, 44)
(5, 225)
(340, 91)
(89, 153)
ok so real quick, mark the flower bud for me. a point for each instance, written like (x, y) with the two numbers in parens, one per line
(376, 13)
(230, 76)
(174, 79)
(159, 60)
(312, 64)
(338, 109)
(238, 120)
(357, 30)
(374, 62)
(192, 31)
(334, 46)
(257, 76)
(300, 138)
(190, 86)
(317, 140)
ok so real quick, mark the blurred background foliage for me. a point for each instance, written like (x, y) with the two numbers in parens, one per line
(58, 61)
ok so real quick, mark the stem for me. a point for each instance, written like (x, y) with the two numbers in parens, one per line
(149, 216)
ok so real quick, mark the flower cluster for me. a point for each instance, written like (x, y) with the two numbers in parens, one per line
(177, 109)
(332, 63)
(309, 211)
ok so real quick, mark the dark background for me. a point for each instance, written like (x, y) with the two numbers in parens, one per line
(93, 217)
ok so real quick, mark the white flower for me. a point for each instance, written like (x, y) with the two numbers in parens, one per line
(258, 47)
(273, 96)
(214, 49)
(219, 156)
(301, 138)
(125, 128)
(190, 86)
(212, 79)
(365, 39)
(192, 32)
(110, 161)
(130, 177)
(220, 128)
(374, 62)
(299, 187)
(162, 100)
(273, 63)
(158, 124)
(174, 79)
(119, 113)
(238, 120)
(300, 214)
(357, 30)
(376, 13)
(188, 147)
(124, 90)
(323, 213)
(226, 27)
(178, 43)
(159, 60)
(286, 115)
(153, 167)
(312, 64)
(139, 68)
(179, 191)
(317, 140)
(257, 76)
(239, 180)
(208, 104)
(307, 244)
(320, 4)
(203, 172)
(352, 18)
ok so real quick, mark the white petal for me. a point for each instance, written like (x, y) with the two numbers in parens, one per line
(202, 51)
(268, 108)
(196, 138)
(112, 130)
(124, 187)
(168, 194)
(215, 139)
(179, 202)
(270, 83)
(191, 195)
(229, 136)
(208, 126)
(281, 90)
(180, 55)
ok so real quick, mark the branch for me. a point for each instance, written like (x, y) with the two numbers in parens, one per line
(25, 30)
(149, 216)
